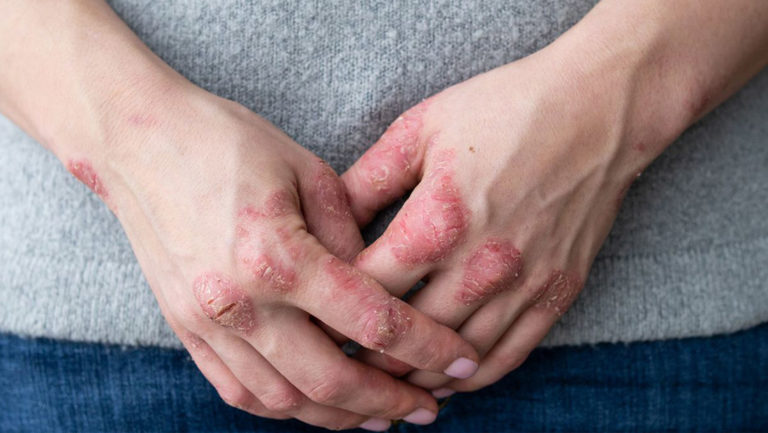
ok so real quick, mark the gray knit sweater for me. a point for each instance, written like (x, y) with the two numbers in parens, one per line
(688, 255)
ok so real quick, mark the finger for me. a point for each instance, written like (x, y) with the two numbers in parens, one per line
(511, 350)
(325, 206)
(230, 389)
(389, 169)
(326, 210)
(358, 307)
(321, 371)
(384, 362)
(481, 330)
(552, 293)
(335, 335)
(484, 328)
(273, 390)
(215, 371)
(551, 300)
(221, 378)
(431, 225)
(453, 295)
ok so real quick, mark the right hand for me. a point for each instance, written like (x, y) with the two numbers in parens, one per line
(244, 236)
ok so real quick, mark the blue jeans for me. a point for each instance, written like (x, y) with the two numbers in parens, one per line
(696, 384)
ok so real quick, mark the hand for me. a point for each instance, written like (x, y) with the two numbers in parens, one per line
(228, 218)
(242, 234)
(517, 176)
(518, 173)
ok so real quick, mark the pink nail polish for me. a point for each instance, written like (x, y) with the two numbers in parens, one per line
(376, 424)
(461, 368)
(443, 392)
(421, 416)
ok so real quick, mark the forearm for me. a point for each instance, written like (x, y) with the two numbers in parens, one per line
(72, 72)
(670, 61)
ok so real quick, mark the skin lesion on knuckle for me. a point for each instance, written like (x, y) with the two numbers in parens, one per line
(558, 292)
(489, 270)
(254, 252)
(271, 273)
(224, 302)
(431, 225)
(384, 325)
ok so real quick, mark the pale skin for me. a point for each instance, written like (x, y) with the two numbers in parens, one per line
(517, 175)
(526, 167)
(241, 233)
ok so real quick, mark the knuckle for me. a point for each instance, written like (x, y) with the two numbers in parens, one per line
(283, 400)
(236, 396)
(558, 292)
(267, 253)
(224, 302)
(329, 392)
(489, 270)
(270, 273)
(384, 325)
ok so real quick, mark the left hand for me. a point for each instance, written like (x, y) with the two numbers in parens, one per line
(517, 177)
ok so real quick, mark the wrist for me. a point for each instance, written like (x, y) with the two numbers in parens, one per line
(67, 91)
(628, 68)
(622, 86)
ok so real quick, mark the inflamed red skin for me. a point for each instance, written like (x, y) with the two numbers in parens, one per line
(233, 236)
(389, 166)
(329, 191)
(559, 292)
(257, 244)
(83, 170)
(385, 321)
(224, 302)
(396, 156)
(434, 222)
(489, 270)
(513, 189)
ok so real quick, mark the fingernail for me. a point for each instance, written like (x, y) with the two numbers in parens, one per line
(442, 392)
(376, 424)
(421, 416)
(461, 368)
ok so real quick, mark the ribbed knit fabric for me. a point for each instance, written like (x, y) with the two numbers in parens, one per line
(688, 255)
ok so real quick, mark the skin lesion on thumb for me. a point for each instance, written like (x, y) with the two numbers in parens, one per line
(390, 167)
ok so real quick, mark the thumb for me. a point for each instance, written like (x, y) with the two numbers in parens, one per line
(390, 168)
